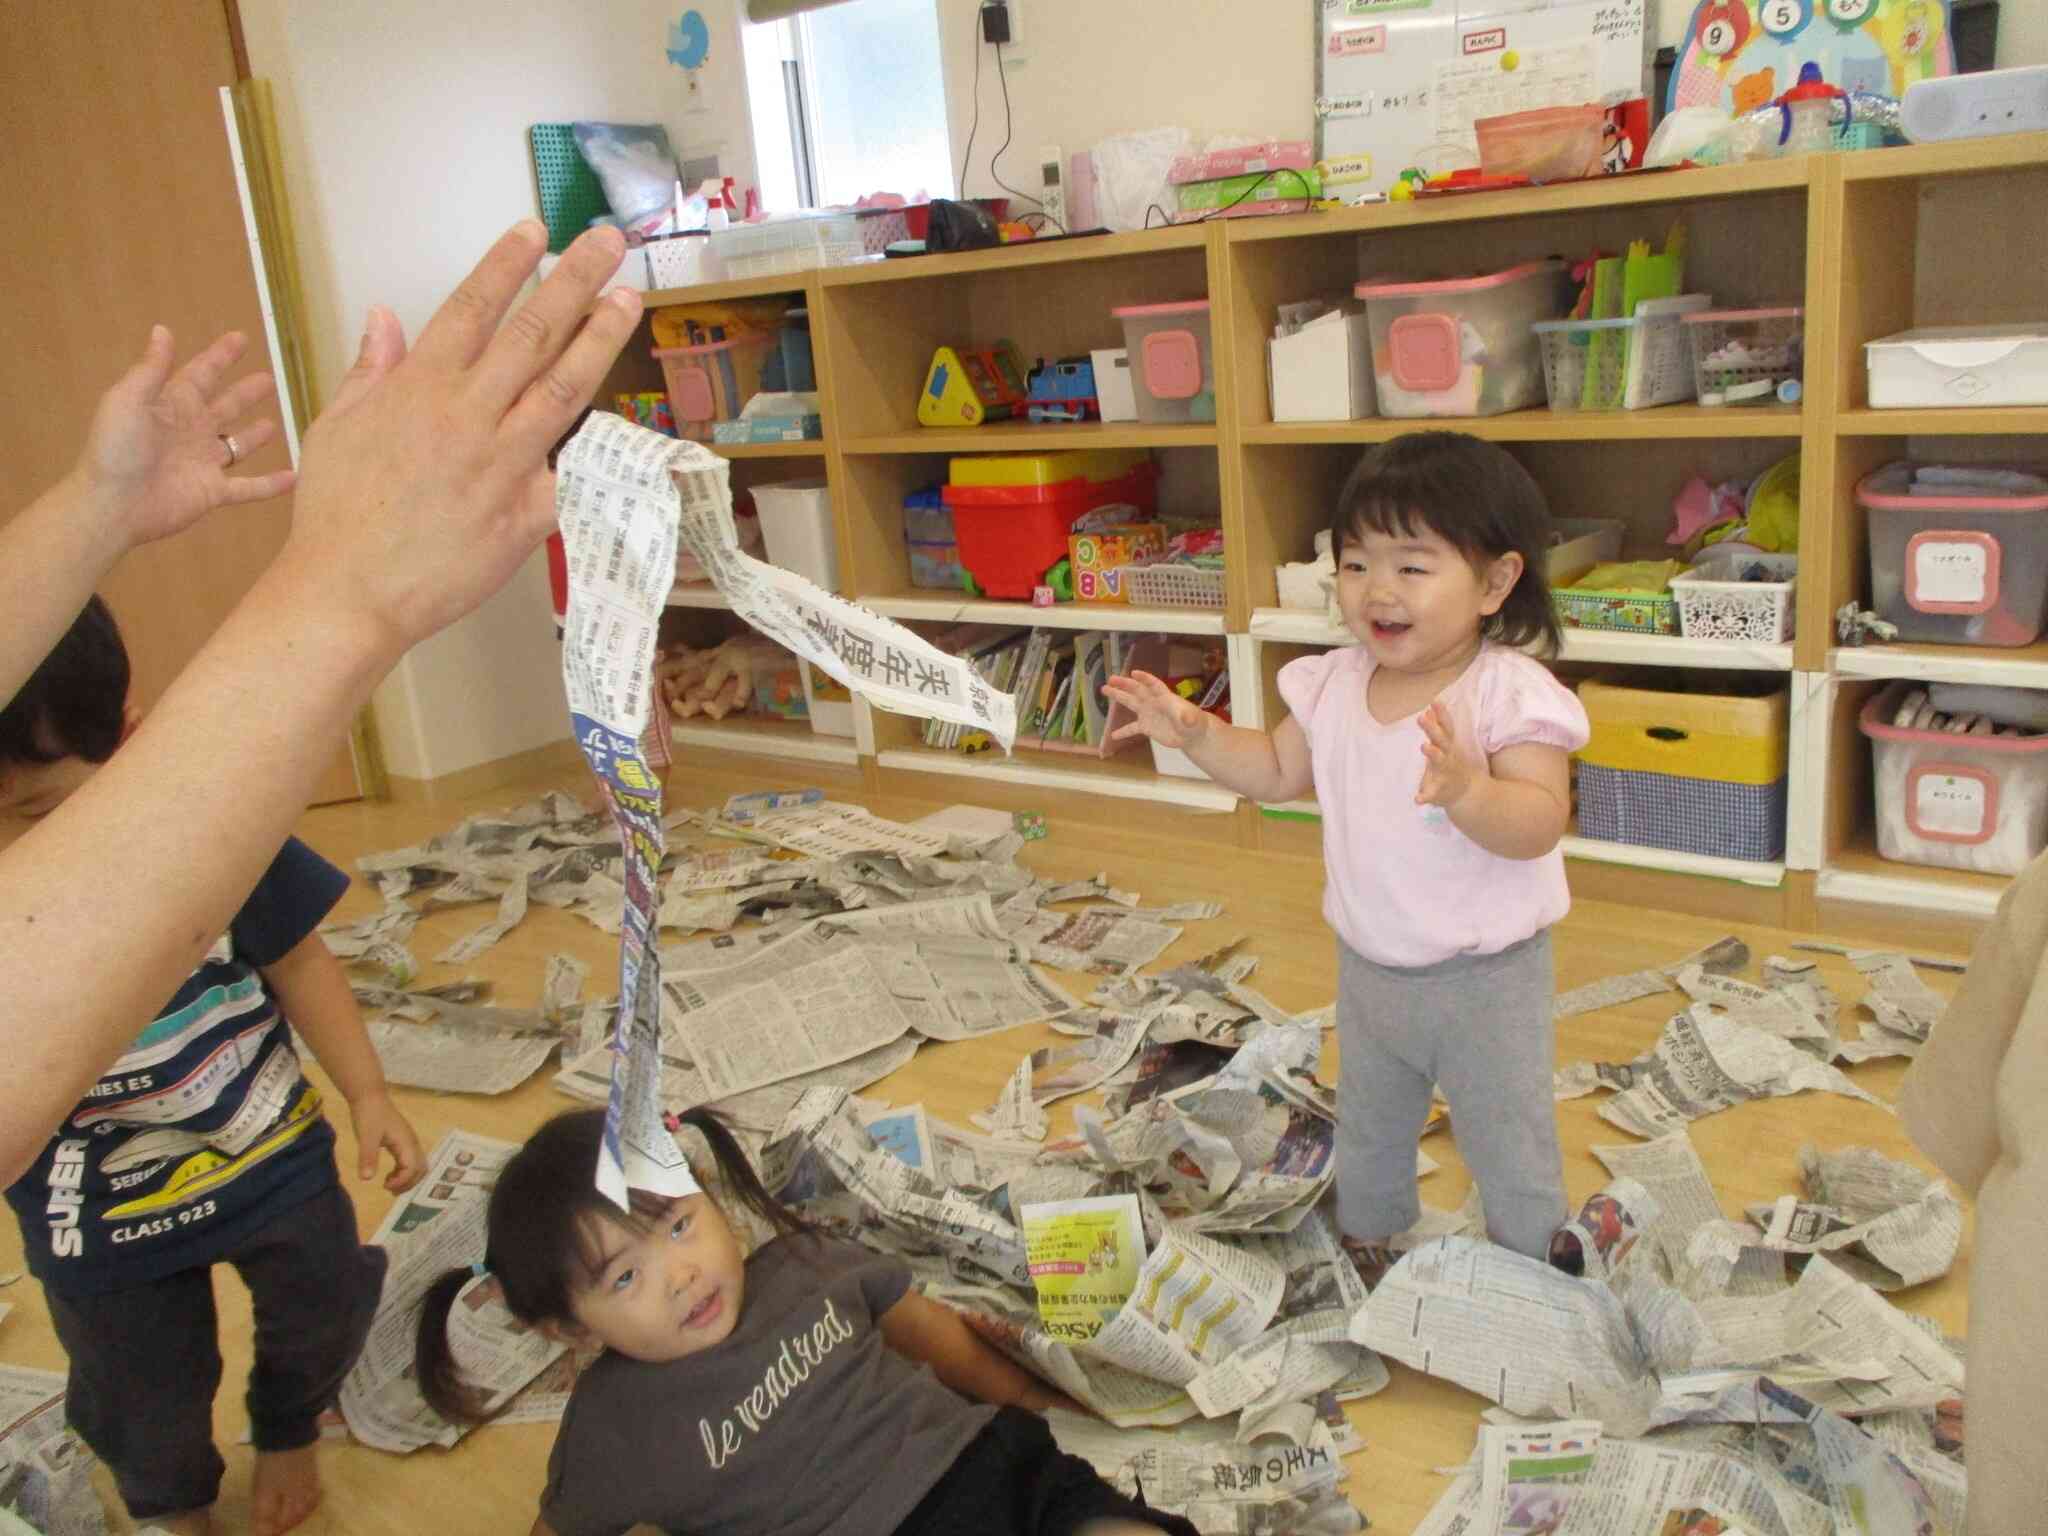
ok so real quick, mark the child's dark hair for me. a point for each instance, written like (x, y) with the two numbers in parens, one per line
(73, 705)
(539, 1246)
(1472, 495)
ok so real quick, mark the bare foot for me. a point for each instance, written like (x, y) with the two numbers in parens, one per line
(287, 1489)
(193, 1522)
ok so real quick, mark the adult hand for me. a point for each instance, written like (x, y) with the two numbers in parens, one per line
(155, 459)
(1162, 714)
(423, 484)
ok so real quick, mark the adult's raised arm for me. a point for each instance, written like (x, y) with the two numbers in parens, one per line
(421, 490)
(156, 459)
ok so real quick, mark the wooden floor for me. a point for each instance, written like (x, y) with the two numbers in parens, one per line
(490, 1482)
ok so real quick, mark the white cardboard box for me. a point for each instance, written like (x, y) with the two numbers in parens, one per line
(1323, 372)
(1113, 392)
(1960, 365)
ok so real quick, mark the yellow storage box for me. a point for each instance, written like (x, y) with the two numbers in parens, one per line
(1724, 737)
(1043, 469)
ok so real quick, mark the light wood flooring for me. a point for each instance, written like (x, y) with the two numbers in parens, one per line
(489, 1483)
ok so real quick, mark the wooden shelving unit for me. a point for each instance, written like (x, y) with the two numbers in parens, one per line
(1870, 243)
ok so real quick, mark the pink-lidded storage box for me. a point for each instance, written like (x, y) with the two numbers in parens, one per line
(1961, 567)
(711, 383)
(1173, 372)
(1955, 801)
(1462, 346)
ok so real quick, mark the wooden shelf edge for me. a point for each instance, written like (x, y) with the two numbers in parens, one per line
(1301, 627)
(808, 448)
(1966, 157)
(799, 743)
(1080, 616)
(1158, 789)
(1743, 871)
(1023, 254)
(1543, 425)
(1958, 421)
(1908, 889)
(1029, 437)
(2020, 667)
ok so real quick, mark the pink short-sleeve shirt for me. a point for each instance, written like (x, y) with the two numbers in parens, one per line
(1403, 886)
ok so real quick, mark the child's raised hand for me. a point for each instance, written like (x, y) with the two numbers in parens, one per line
(381, 1126)
(1163, 715)
(1447, 774)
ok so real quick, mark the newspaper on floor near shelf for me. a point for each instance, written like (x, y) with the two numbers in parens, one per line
(1671, 1170)
(615, 505)
(1903, 1008)
(451, 1057)
(1102, 941)
(1061, 1070)
(561, 988)
(1528, 1474)
(1723, 956)
(1223, 1487)
(377, 942)
(831, 830)
(1702, 1062)
(1885, 1222)
(1792, 1010)
(880, 660)
(438, 1225)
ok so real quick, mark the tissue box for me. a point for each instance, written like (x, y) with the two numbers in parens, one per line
(1323, 372)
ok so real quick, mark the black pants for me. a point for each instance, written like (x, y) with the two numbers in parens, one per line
(145, 1362)
(1014, 1480)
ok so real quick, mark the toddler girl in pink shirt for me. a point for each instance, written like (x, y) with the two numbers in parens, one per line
(1439, 754)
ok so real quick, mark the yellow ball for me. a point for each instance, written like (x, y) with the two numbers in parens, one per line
(1511, 60)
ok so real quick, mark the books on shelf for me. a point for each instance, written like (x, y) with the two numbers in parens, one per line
(1057, 677)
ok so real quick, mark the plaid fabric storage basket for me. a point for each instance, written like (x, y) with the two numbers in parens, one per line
(1662, 810)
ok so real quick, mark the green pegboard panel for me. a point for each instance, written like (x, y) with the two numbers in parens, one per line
(570, 193)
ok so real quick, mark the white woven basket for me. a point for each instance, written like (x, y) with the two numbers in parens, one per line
(1715, 604)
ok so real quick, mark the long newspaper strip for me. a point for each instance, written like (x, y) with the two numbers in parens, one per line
(882, 661)
(616, 504)
(1723, 956)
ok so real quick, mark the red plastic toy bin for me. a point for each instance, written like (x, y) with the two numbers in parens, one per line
(1011, 535)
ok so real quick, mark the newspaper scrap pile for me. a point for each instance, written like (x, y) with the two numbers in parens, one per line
(45, 1469)
(1689, 1368)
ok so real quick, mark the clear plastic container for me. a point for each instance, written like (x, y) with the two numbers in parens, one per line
(1612, 365)
(1965, 569)
(713, 382)
(1955, 801)
(788, 245)
(936, 566)
(1748, 356)
(926, 517)
(1463, 347)
(1173, 368)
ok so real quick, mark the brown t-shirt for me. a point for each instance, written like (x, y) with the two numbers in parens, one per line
(803, 1421)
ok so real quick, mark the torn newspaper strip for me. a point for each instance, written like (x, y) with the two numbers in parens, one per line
(615, 502)
(880, 660)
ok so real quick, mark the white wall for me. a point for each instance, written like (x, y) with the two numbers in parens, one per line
(404, 129)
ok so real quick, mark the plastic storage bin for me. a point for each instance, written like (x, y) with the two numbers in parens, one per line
(1968, 569)
(1960, 365)
(796, 526)
(1959, 802)
(1747, 356)
(1173, 371)
(713, 382)
(1716, 602)
(1693, 772)
(1583, 542)
(1012, 512)
(1463, 347)
(788, 245)
(1615, 365)
(929, 540)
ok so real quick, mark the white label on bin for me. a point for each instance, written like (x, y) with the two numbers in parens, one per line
(1951, 573)
(1950, 805)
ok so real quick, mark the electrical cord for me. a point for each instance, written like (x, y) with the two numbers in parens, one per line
(1307, 196)
(1009, 132)
(974, 122)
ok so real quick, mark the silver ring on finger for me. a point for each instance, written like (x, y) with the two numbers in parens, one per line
(234, 450)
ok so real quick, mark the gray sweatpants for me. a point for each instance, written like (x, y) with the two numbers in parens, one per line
(1480, 1027)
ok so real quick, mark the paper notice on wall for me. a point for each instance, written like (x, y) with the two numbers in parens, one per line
(1494, 83)
(616, 505)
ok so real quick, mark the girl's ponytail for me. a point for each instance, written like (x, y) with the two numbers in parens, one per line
(738, 1175)
(433, 1358)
